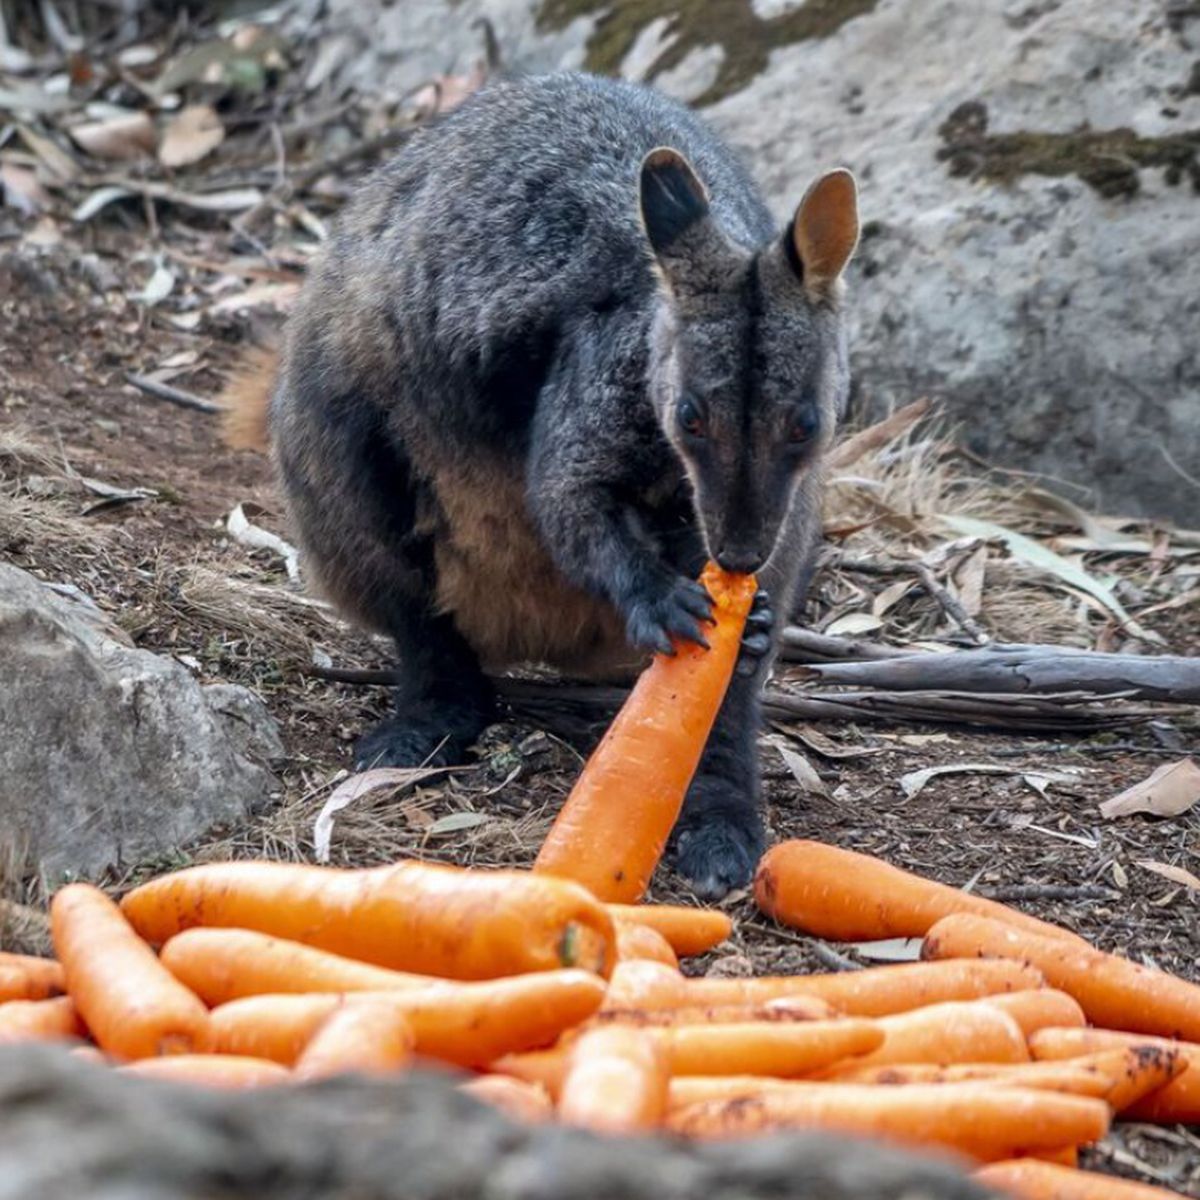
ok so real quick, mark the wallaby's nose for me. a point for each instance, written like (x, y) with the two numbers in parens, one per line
(741, 560)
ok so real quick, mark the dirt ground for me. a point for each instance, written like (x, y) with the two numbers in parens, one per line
(67, 413)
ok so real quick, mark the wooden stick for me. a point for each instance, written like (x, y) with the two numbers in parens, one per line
(173, 395)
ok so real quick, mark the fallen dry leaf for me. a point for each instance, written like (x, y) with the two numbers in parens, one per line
(914, 782)
(1174, 874)
(853, 623)
(125, 137)
(354, 788)
(804, 772)
(1168, 792)
(22, 190)
(193, 133)
(970, 579)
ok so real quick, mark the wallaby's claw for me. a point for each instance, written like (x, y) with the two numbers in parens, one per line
(677, 612)
(756, 639)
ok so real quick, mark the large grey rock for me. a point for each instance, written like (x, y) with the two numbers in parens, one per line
(110, 754)
(1033, 257)
(71, 1129)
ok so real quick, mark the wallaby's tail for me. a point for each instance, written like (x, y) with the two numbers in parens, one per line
(246, 397)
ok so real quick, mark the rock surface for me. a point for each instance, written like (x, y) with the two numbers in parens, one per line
(74, 1129)
(110, 754)
(1030, 175)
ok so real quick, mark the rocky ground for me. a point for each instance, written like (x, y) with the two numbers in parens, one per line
(126, 496)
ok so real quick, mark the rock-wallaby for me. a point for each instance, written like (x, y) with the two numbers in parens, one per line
(556, 354)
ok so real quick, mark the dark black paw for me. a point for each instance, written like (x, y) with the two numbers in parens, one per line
(673, 607)
(717, 846)
(435, 735)
(756, 637)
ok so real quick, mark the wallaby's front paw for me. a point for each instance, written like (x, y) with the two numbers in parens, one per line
(428, 735)
(718, 840)
(673, 610)
(756, 637)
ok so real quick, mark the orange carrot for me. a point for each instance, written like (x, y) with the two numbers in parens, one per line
(39, 1020)
(794, 1008)
(1118, 1077)
(25, 977)
(1039, 1008)
(414, 916)
(365, 1036)
(851, 897)
(876, 991)
(612, 829)
(540, 1068)
(616, 1081)
(948, 1033)
(1176, 1102)
(640, 943)
(1112, 991)
(526, 1102)
(794, 1048)
(1066, 1156)
(134, 1007)
(1030, 1179)
(211, 1070)
(469, 1024)
(220, 965)
(976, 1119)
(689, 930)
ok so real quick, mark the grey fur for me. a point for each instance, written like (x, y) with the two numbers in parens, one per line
(478, 425)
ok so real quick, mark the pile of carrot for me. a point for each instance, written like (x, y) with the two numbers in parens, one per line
(1013, 1044)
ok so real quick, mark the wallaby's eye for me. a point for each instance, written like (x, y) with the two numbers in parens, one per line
(804, 425)
(691, 419)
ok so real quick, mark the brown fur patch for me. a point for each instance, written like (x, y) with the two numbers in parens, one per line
(506, 595)
(246, 398)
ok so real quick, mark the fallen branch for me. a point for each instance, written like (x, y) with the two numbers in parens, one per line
(172, 395)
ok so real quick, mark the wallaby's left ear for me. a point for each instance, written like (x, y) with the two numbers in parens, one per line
(673, 199)
(824, 230)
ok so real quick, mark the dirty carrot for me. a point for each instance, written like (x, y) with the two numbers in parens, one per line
(976, 1119)
(793, 1048)
(469, 1024)
(1030, 1179)
(796, 1008)
(612, 829)
(852, 897)
(615, 1082)
(134, 1007)
(1176, 1102)
(954, 1032)
(364, 1035)
(39, 1020)
(640, 943)
(1112, 991)
(225, 964)
(211, 1070)
(527, 1102)
(413, 916)
(689, 930)
(876, 991)
(26, 977)
(1039, 1008)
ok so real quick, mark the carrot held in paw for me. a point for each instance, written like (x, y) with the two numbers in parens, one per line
(1175, 1102)
(615, 1082)
(413, 916)
(25, 977)
(976, 1119)
(851, 897)
(468, 1024)
(1112, 991)
(211, 1070)
(640, 943)
(689, 930)
(1030, 1179)
(134, 1007)
(225, 964)
(365, 1036)
(873, 992)
(1039, 1008)
(527, 1102)
(40, 1020)
(614, 825)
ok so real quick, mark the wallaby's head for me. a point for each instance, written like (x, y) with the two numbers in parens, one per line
(748, 366)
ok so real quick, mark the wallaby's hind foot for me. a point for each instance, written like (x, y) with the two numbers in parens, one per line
(719, 838)
(423, 733)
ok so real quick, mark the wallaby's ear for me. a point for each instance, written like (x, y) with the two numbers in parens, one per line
(824, 230)
(673, 199)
